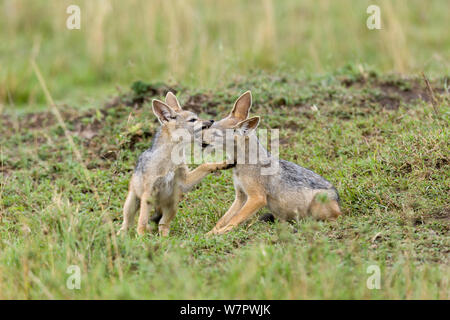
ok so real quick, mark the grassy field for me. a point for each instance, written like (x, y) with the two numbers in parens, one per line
(349, 102)
(206, 44)
(377, 138)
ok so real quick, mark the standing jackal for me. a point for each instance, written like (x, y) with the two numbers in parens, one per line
(157, 178)
(290, 191)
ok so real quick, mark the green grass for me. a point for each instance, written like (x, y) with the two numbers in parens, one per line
(207, 44)
(385, 151)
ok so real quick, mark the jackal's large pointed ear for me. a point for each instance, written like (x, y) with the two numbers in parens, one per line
(163, 111)
(242, 106)
(247, 126)
(172, 102)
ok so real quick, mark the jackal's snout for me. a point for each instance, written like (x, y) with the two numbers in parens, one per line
(207, 124)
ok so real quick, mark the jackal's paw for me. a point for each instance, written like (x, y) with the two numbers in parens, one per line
(218, 166)
(224, 229)
(122, 231)
(141, 230)
(164, 229)
(212, 232)
(164, 233)
(224, 166)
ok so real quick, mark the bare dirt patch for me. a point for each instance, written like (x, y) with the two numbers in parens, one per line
(202, 103)
(394, 91)
(442, 214)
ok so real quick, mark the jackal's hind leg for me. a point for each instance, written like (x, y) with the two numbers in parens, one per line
(323, 208)
(129, 210)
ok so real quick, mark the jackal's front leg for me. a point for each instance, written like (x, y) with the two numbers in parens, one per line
(251, 206)
(238, 203)
(168, 213)
(193, 177)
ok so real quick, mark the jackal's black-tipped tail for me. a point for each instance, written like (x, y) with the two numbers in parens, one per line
(267, 217)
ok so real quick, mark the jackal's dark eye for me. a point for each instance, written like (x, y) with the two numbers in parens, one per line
(192, 120)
